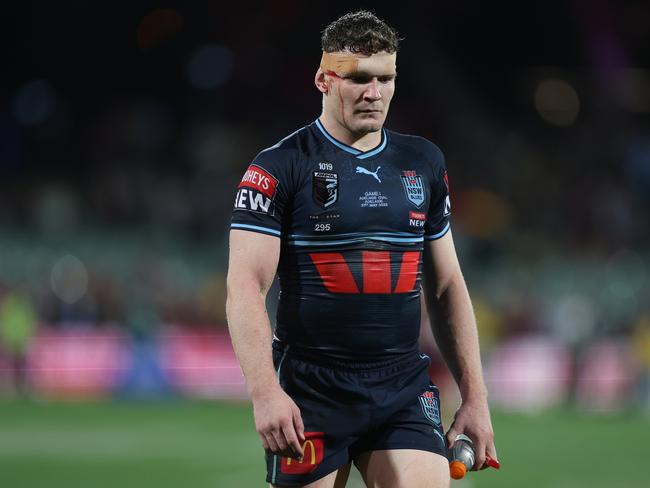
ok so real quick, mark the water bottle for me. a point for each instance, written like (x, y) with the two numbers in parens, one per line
(461, 456)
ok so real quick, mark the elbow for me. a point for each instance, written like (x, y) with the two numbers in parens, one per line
(243, 286)
(448, 283)
(229, 299)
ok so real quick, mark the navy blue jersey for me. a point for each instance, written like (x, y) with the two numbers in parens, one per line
(352, 226)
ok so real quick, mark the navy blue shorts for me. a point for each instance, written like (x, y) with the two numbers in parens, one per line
(349, 409)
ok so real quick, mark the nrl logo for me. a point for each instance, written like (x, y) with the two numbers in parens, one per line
(413, 187)
(325, 188)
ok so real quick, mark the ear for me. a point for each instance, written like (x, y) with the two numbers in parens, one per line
(321, 82)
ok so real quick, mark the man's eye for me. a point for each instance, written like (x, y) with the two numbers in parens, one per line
(360, 80)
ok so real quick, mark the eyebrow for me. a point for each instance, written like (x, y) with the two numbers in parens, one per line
(363, 74)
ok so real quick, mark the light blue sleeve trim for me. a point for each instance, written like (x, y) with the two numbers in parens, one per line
(256, 228)
(439, 234)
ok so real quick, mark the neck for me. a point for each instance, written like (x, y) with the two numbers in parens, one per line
(362, 141)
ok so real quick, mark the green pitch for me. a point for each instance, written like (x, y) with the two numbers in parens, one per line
(201, 445)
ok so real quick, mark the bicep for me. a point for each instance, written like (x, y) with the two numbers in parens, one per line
(440, 264)
(253, 259)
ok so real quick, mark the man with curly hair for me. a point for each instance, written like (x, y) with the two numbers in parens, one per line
(355, 220)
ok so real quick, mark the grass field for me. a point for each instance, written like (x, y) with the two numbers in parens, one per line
(201, 445)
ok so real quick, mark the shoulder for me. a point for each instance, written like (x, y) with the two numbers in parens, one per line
(417, 146)
(277, 165)
(286, 150)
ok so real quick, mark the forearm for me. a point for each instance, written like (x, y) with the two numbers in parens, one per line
(454, 328)
(250, 332)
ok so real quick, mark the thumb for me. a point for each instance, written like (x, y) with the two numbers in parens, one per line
(452, 433)
(298, 425)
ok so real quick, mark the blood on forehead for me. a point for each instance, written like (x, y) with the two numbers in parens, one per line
(342, 64)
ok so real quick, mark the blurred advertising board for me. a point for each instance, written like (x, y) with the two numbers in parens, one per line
(90, 363)
(530, 373)
(83, 363)
(201, 363)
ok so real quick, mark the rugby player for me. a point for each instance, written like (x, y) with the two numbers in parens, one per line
(355, 220)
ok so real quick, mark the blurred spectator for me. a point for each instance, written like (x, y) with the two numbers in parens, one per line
(18, 323)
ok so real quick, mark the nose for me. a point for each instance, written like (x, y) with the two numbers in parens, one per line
(373, 90)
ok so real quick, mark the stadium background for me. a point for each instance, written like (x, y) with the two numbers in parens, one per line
(124, 130)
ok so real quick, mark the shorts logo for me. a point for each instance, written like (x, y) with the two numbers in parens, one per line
(430, 406)
(256, 190)
(413, 187)
(312, 450)
(325, 188)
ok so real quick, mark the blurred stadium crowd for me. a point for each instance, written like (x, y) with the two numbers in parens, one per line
(124, 132)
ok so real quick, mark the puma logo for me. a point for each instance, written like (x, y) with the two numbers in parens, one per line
(367, 172)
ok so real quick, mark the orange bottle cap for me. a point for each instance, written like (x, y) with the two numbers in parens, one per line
(457, 470)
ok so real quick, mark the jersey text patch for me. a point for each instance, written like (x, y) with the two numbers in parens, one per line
(256, 190)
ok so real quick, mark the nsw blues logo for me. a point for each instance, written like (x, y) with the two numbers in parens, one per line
(430, 406)
(325, 188)
(414, 187)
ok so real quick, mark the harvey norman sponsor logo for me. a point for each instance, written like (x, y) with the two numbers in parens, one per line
(256, 190)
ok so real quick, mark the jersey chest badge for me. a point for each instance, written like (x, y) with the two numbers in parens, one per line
(325, 188)
(413, 187)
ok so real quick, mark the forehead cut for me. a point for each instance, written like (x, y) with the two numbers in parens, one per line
(379, 64)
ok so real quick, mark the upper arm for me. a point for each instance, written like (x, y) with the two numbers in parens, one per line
(263, 195)
(440, 264)
(265, 192)
(253, 260)
(439, 211)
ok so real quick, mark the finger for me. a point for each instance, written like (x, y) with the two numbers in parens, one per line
(265, 443)
(292, 440)
(298, 425)
(479, 452)
(491, 459)
(273, 445)
(278, 435)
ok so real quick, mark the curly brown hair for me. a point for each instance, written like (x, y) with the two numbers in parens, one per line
(359, 32)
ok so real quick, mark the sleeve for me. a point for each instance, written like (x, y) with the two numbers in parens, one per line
(438, 215)
(263, 194)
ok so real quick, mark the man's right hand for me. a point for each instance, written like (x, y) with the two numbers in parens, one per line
(279, 423)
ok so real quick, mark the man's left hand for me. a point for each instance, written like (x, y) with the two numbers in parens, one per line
(473, 420)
